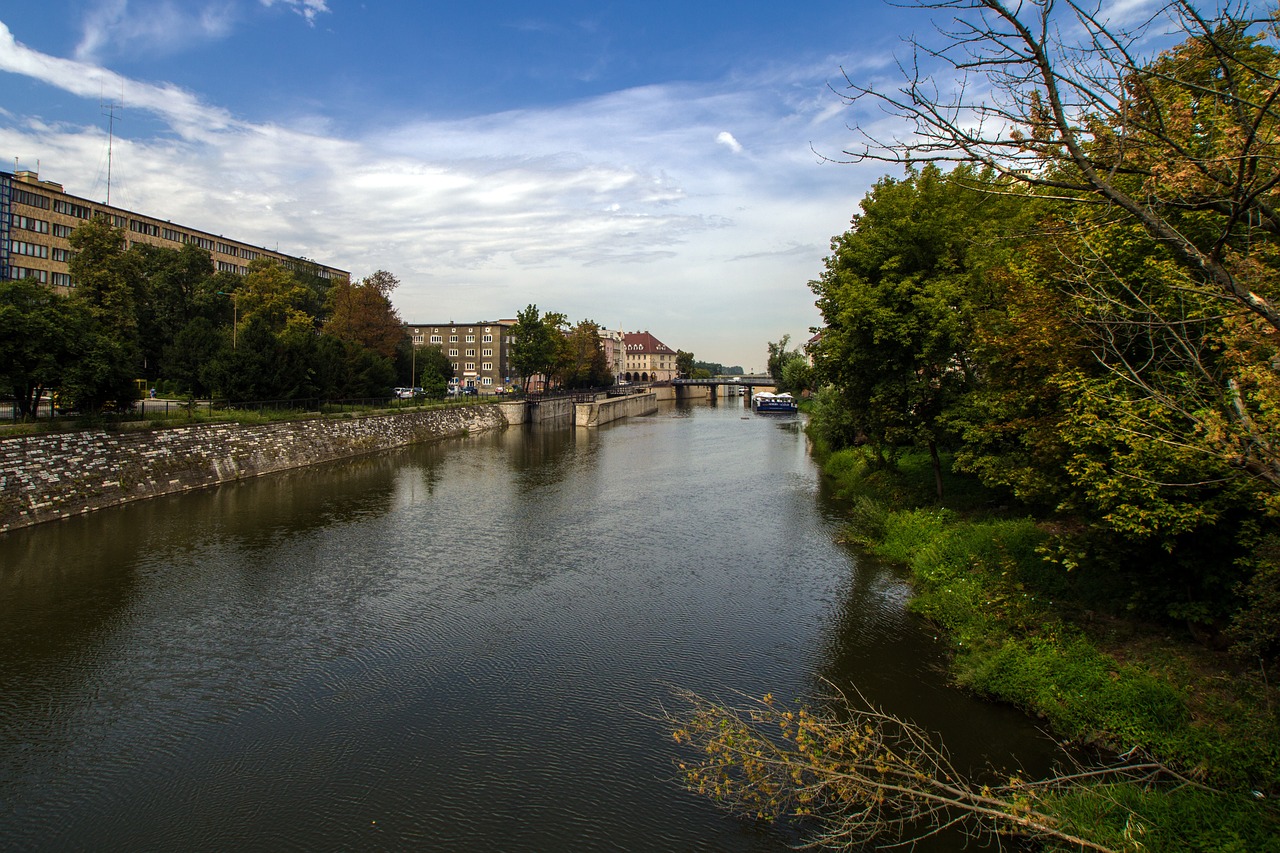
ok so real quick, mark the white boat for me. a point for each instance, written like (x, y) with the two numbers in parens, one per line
(763, 401)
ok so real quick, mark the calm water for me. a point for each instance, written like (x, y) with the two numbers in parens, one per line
(450, 647)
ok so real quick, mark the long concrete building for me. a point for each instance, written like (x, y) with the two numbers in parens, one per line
(37, 218)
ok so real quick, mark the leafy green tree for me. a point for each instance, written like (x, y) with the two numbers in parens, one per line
(897, 298)
(582, 362)
(684, 363)
(789, 369)
(434, 371)
(107, 282)
(41, 333)
(194, 349)
(536, 343)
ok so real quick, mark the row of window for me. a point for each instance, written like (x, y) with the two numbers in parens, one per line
(58, 279)
(30, 199)
(27, 223)
(67, 208)
(31, 250)
(19, 273)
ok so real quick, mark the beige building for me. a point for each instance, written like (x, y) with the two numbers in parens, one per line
(480, 351)
(37, 218)
(615, 352)
(647, 359)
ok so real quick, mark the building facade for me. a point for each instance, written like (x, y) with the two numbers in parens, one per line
(647, 359)
(480, 352)
(37, 218)
(615, 352)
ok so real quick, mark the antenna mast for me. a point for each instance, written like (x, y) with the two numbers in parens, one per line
(109, 109)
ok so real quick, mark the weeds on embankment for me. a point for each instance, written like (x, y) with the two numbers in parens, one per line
(1097, 679)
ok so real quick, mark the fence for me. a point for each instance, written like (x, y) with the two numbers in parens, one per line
(163, 410)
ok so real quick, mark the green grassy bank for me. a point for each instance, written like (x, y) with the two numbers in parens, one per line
(1107, 684)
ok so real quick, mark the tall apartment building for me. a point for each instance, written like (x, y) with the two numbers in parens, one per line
(480, 351)
(647, 358)
(37, 218)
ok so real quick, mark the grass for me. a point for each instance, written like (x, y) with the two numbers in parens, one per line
(1097, 681)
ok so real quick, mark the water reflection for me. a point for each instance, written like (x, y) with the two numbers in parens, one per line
(457, 646)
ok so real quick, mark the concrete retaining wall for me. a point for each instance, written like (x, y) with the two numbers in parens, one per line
(47, 477)
(612, 408)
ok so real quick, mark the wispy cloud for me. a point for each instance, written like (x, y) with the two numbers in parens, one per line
(117, 27)
(306, 8)
(621, 207)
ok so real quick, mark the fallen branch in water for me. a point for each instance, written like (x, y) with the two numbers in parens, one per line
(867, 777)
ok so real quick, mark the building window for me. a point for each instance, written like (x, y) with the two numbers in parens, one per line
(488, 365)
(471, 365)
(487, 353)
(19, 273)
(62, 256)
(63, 231)
(488, 380)
(488, 339)
(60, 279)
(144, 227)
(31, 250)
(79, 211)
(26, 223)
(453, 339)
(436, 339)
(249, 254)
(471, 353)
(471, 339)
(203, 243)
(453, 353)
(223, 266)
(227, 249)
(30, 199)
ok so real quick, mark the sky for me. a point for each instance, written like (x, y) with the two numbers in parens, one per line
(658, 166)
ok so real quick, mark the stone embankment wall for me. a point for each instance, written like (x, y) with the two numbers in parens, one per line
(46, 477)
(605, 410)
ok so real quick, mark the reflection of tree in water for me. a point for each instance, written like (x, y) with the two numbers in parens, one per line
(540, 456)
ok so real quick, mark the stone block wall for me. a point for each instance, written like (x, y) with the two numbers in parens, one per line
(46, 477)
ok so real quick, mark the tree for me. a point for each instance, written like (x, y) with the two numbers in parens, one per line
(41, 333)
(1182, 146)
(897, 298)
(582, 362)
(684, 364)
(535, 344)
(362, 313)
(789, 369)
(107, 283)
(434, 371)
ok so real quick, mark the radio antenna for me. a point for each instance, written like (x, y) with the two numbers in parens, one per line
(109, 109)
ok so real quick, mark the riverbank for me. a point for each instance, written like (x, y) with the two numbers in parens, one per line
(1098, 680)
(45, 477)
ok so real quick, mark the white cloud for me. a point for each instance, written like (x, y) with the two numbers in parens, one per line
(619, 208)
(726, 139)
(306, 8)
(118, 27)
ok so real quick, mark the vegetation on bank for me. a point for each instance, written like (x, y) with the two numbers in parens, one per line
(1048, 377)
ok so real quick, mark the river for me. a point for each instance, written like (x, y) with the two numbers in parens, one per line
(455, 646)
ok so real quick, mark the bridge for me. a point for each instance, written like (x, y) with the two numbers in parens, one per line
(748, 382)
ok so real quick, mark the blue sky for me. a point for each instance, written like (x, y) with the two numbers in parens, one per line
(649, 166)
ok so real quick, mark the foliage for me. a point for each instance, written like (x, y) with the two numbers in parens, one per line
(40, 334)
(581, 361)
(434, 370)
(865, 777)
(361, 313)
(684, 364)
(535, 344)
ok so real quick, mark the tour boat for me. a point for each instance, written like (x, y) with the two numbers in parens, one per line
(763, 401)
